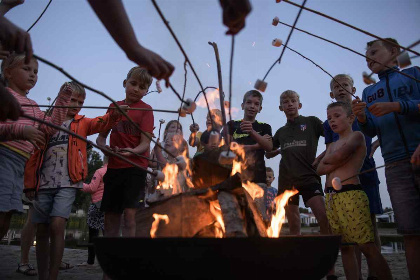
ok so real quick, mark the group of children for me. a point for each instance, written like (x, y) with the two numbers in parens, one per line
(52, 165)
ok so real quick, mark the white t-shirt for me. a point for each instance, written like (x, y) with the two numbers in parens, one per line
(54, 170)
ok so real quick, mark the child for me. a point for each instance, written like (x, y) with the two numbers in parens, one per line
(22, 135)
(369, 181)
(297, 142)
(124, 185)
(269, 193)
(348, 208)
(195, 136)
(389, 109)
(56, 173)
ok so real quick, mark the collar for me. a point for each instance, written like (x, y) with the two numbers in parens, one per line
(386, 72)
(78, 117)
(295, 121)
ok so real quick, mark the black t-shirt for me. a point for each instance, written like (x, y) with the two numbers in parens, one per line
(255, 171)
(298, 140)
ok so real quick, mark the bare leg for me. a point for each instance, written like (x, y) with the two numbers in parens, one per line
(42, 250)
(376, 261)
(317, 204)
(57, 226)
(4, 223)
(349, 263)
(27, 238)
(358, 254)
(129, 229)
(293, 218)
(412, 254)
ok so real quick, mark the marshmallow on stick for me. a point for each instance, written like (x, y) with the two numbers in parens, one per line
(336, 183)
(260, 85)
(189, 106)
(276, 21)
(226, 157)
(368, 80)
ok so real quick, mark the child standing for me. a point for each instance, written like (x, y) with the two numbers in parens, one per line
(56, 173)
(270, 193)
(195, 136)
(389, 109)
(297, 142)
(22, 136)
(348, 207)
(124, 184)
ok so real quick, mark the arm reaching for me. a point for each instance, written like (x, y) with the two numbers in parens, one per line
(265, 141)
(234, 14)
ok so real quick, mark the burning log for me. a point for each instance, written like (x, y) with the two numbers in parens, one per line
(232, 216)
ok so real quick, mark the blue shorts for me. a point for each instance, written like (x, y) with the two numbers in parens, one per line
(375, 203)
(403, 181)
(53, 203)
(12, 168)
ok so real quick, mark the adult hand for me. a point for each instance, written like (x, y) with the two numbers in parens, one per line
(9, 106)
(33, 135)
(246, 127)
(15, 39)
(382, 108)
(358, 107)
(194, 127)
(234, 14)
(415, 159)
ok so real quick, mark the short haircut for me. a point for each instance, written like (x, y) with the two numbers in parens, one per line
(269, 169)
(78, 89)
(140, 74)
(346, 107)
(205, 137)
(253, 93)
(11, 62)
(288, 93)
(387, 45)
(341, 76)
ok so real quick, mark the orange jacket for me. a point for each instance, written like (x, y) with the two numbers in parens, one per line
(77, 154)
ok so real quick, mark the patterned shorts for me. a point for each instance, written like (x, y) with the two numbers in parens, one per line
(349, 216)
(95, 217)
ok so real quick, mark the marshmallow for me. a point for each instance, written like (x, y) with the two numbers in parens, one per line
(159, 89)
(160, 176)
(260, 85)
(225, 158)
(404, 60)
(182, 113)
(276, 21)
(162, 121)
(180, 161)
(278, 1)
(368, 80)
(226, 104)
(336, 183)
(277, 42)
(189, 106)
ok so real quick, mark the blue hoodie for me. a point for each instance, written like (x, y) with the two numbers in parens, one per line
(398, 133)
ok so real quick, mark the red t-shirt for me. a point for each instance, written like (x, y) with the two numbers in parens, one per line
(125, 135)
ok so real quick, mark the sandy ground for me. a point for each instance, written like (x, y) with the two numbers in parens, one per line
(10, 255)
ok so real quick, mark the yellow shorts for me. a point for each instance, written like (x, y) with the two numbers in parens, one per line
(349, 216)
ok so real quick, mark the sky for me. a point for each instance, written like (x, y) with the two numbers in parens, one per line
(71, 36)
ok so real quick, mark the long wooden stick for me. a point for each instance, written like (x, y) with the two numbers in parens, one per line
(101, 107)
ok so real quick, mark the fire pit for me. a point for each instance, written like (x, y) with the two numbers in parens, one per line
(288, 257)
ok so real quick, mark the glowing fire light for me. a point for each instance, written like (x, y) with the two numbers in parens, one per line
(278, 218)
(156, 222)
(253, 189)
(217, 213)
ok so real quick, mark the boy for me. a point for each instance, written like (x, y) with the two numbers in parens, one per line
(269, 193)
(57, 173)
(389, 109)
(348, 208)
(124, 185)
(297, 142)
(340, 87)
(195, 136)
(255, 137)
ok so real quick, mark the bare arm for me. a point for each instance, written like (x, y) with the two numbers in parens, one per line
(115, 19)
(273, 153)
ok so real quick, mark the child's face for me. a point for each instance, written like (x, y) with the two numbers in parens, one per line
(134, 90)
(338, 119)
(340, 93)
(174, 128)
(23, 77)
(270, 178)
(290, 106)
(380, 53)
(217, 121)
(251, 106)
(76, 100)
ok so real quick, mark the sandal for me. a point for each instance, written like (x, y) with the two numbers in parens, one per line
(26, 269)
(65, 266)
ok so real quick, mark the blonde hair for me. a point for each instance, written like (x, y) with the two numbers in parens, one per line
(12, 61)
(140, 74)
(253, 93)
(341, 76)
(78, 89)
(287, 94)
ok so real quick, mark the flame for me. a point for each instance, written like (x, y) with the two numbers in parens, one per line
(156, 222)
(171, 180)
(278, 218)
(253, 189)
(217, 213)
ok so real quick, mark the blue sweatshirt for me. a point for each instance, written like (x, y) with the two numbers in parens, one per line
(398, 133)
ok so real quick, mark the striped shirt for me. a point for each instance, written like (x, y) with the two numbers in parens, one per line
(11, 132)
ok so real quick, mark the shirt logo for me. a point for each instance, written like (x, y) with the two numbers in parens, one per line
(303, 127)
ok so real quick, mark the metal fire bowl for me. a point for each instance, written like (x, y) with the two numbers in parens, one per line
(288, 257)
